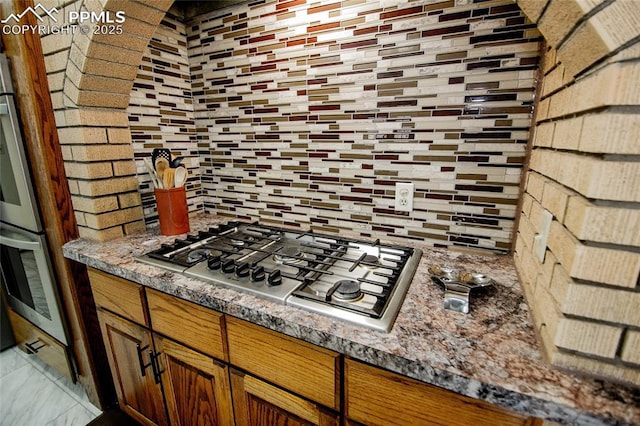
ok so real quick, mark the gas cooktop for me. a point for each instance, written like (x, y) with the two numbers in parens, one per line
(361, 282)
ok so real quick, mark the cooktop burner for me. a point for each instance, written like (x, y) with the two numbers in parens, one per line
(357, 281)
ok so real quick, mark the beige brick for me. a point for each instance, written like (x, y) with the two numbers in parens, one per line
(150, 12)
(56, 81)
(532, 8)
(100, 235)
(526, 232)
(618, 23)
(529, 268)
(124, 168)
(535, 185)
(549, 59)
(631, 347)
(603, 224)
(133, 228)
(527, 201)
(56, 43)
(119, 135)
(543, 110)
(57, 62)
(553, 81)
(555, 198)
(567, 133)
(559, 19)
(102, 152)
(595, 368)
(612, 85)
(588, 337)
(88, 170)
(96, 117)
(582, 49)
(98, 83)
(113, 218)
(615, 267)
(107, 68)
(590, 176)
(602, 303)
(544, 134)
(94, 205)
(130, 199)
(98, 188)
(82, 135)
(560, 281)
(611, 132)
(100, 99)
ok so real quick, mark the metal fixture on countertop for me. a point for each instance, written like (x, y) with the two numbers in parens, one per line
(357, 281)
(458, 286)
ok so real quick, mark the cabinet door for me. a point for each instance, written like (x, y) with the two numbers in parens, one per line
(196, 386)
(377, 397)
(129, 349)
(257, 403)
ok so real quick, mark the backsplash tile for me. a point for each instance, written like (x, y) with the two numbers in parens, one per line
(308, 114)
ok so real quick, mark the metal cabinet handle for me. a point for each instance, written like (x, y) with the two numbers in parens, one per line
(31, 347)
(143, 366)
(155, 365)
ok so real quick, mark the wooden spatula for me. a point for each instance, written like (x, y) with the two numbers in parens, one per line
(168, 177)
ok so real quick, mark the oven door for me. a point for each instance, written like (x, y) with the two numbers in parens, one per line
(28, 281)
(17, 200)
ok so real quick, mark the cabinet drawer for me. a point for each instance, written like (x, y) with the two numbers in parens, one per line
(185, 322)
(35, 341)
(375, 396)
(119, 296)
(300, 367)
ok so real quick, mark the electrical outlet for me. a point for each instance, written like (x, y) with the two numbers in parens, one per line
(404, 197)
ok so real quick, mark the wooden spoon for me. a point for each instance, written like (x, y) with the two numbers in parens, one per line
(168, 177)
(181, 176)
(161, 164)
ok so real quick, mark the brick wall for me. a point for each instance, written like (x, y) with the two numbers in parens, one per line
(90, 78)
(584, 174)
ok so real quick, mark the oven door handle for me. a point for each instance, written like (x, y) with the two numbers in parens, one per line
(21, 244)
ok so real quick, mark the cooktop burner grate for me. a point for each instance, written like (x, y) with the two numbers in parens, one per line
(357, 281)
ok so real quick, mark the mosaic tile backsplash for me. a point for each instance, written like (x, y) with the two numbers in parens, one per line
(310, 113)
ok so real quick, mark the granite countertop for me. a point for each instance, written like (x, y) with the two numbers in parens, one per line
(490, 354)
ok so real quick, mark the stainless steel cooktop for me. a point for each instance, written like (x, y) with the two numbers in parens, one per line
(361, 282)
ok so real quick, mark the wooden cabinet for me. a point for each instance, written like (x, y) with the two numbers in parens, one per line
(130, 352)
(305, 369)
(174, 362)
(377, 397)
(257, 403)
(196, 386)
(149, 368)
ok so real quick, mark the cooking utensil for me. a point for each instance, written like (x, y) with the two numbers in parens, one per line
(175, 162)
(160, 153)
(168, 178)
(152, 172)
(180, 176)
(161, 165)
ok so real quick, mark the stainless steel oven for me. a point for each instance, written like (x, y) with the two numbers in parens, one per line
(28, 279)
(27, 274)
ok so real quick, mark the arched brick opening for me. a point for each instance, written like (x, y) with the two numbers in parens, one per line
(582, 290)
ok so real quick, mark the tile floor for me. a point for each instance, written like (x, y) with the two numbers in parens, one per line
(33, 394)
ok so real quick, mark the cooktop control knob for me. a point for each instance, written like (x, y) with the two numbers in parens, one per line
(228, 266)
(214, 262)
(257, 274)
(275, 278)
(242, 270)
